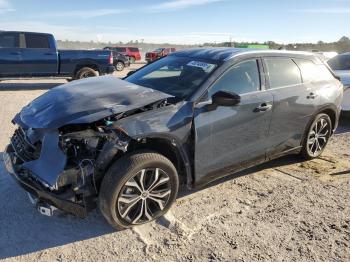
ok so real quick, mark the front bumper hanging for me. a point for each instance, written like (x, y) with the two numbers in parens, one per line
(42, 196)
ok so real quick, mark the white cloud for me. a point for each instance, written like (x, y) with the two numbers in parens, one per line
(5, 7)
(4, 4)
(86, 14)
(180, 4)
(338, 11)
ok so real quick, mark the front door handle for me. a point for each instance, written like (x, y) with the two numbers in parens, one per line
(15, 53)
(263, 107)
(311, 96)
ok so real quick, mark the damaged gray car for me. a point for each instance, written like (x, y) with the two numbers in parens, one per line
(189, 118)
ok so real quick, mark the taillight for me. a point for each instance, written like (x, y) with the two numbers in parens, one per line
(110, 59)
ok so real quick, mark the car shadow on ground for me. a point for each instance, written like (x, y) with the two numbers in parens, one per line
(23, 230)
(283, 161)
(22, 86)
(344, 124)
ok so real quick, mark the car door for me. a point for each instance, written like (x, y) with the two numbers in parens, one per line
(231, 137)
(10, 54)
(294, 104)
(39, 57)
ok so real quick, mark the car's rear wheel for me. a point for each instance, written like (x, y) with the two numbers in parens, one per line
(86, 72)
(138, 188)
(317, 137)
(119, 66)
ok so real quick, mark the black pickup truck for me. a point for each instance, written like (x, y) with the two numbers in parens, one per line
(26, 54)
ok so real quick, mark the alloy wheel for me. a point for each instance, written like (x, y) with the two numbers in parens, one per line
(119, 66)
(318, 137)
(144, 196)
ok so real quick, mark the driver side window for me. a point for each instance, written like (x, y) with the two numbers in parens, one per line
(242, 78)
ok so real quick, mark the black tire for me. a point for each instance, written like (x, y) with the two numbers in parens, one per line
(116, 186)
(119, 66)
(132, 60)
(86, 72)
(316, 137)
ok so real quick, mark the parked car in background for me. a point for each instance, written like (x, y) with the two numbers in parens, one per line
(341, 66)
(129, 143)
(26, 54)
(158, 53)
(133, 53)
(120, 61)
(325, 56)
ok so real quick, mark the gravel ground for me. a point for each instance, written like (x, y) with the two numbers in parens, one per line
(285, 210)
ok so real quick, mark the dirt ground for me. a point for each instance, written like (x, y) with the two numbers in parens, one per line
(285, 210)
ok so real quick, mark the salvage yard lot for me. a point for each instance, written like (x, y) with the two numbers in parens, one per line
(282, 210)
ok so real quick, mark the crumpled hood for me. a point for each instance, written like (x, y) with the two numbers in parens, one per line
(85, 101)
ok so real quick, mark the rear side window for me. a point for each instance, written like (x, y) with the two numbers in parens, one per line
(240, 79)
(9, 40)
(282, 72)
(133, 49)
(312, 72)
(37, 41)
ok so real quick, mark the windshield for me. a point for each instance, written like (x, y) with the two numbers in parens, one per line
(177, 76)
(340, 62)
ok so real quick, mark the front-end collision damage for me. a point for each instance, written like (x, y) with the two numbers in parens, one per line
(51, 162)
(69, 169)
(61, 152)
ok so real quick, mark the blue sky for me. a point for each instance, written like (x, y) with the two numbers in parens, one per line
(180, 21)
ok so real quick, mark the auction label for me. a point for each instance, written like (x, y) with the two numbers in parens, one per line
(205, 66)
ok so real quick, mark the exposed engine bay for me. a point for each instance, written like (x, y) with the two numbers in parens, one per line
(67, 138)
(71, 161)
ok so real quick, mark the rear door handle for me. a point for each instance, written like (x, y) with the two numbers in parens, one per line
(49, 54)
(15, 53)
(263, 107)
(311, 96)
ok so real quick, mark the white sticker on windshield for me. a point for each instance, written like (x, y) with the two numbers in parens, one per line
(205, 66)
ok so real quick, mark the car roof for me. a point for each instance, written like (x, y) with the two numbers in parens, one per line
(125, 47)
(25, 32)
(222, 54)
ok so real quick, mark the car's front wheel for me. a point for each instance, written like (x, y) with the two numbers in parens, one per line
(119, 66)
(137, 189)
(317, 136)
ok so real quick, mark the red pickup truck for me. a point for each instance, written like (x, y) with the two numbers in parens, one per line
(158, 53)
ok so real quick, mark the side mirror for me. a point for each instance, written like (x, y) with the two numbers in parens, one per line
(225, 98)
(130, 73)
